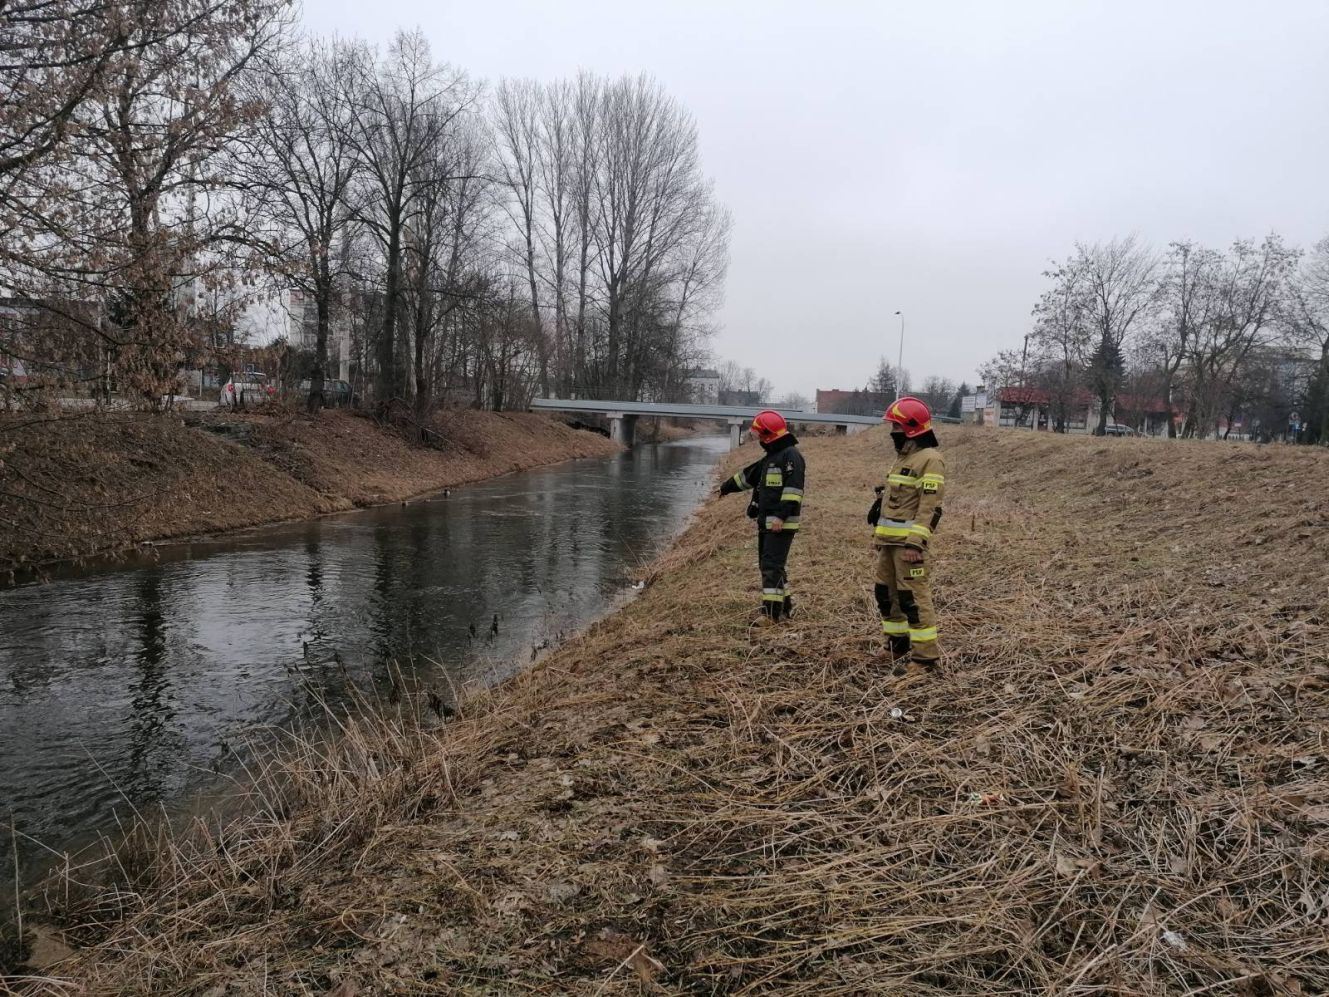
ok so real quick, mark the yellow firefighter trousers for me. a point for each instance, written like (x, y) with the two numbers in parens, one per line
(910, 613)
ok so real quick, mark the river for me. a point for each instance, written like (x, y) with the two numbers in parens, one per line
(124, 687)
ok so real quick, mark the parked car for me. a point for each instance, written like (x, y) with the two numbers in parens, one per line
(247, 389)
(336, 394)
(1117, 429)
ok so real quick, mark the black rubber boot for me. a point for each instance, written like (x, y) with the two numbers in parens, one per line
(899, 653)
(788, 606)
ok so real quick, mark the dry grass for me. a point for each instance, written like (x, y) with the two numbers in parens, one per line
(94, 484)
(344, 455)
(98, 484)
(1118, 785)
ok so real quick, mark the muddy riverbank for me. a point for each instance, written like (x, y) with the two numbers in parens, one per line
(92, 485)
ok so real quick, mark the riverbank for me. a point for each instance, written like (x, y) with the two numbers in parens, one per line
(1118, 784)
(99, 484)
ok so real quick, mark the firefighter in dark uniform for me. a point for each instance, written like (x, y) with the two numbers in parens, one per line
(776, 483)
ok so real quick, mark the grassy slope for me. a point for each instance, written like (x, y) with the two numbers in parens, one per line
(1118, 785)
(331, 457)
(87, 485)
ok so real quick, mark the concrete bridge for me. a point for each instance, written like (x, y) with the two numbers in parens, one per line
(623, 416)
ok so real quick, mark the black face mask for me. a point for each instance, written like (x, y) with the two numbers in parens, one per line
(899, 439)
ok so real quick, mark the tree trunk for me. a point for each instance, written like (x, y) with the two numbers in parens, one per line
(322, 303)
(1167, 400)
(388, 386)
(579, 360)
(615, 322)
(1105, 398)
(421, 377)
(540, 344)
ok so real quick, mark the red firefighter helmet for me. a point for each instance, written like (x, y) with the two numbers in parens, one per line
(911, 415)
(769, 426)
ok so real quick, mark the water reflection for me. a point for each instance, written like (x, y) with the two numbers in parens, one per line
(123, 686)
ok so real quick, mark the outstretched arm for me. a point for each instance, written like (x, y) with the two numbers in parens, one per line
(744, 481)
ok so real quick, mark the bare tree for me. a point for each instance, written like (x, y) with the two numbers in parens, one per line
(399, 105)
(1114, 286)
(1064, 344)
(693, 292)
(1187, 300)
(1247, 289)
(520, 150)
(648, 188)
(299, 174)
(586, 128)
(557, 184)
(439, 246)
(937, 393)
(1011, 380)
(793, 402)
(506, 351)
(1306, 322)
(613, 229)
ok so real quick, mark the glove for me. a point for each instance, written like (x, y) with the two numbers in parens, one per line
(752, 510)
(874, 513)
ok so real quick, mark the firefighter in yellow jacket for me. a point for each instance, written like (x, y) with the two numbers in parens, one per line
(905, 517)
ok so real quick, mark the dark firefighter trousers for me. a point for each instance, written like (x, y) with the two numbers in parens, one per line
(904, 597)
(772, 556)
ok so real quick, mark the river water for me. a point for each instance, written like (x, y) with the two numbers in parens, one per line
(123, 688)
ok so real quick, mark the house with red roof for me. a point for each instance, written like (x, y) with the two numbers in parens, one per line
(1040, 409)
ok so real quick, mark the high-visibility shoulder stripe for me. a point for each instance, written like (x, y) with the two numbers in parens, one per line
(908, 481)
(741, 481)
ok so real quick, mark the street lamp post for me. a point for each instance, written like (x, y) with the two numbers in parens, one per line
(899, 361)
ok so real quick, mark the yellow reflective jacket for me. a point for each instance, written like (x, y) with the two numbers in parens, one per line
(911, 503)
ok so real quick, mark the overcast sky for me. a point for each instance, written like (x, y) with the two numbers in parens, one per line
(933, 157)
